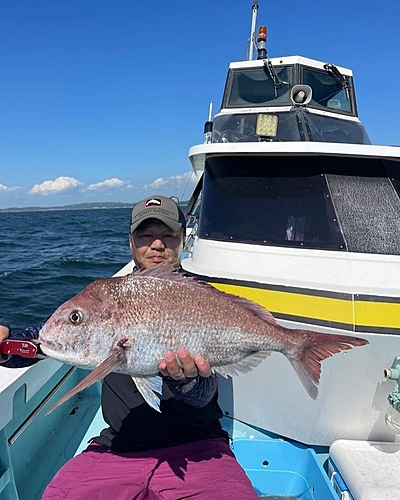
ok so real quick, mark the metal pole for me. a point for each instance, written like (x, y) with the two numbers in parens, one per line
(254, 8)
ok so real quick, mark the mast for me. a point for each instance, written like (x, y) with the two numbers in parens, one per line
(254, 8)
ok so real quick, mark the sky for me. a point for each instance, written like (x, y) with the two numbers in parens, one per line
(100, 100)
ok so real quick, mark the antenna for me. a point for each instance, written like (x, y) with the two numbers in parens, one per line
(254, 8)
(210, 112)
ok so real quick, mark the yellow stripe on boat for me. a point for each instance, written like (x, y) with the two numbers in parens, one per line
(295, 304)
(350, 312)
(381, 314)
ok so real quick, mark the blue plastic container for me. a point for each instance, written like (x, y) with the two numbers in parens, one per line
(279, 468)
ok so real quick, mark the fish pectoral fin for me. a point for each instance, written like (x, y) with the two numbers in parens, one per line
(98, 373)
(243, 366)
(148, 386)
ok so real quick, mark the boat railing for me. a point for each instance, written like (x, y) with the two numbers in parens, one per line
(28, 437)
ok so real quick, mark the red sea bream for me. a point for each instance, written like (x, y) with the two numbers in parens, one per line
(127, 324)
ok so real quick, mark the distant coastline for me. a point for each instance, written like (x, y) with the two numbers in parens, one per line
(77, 206)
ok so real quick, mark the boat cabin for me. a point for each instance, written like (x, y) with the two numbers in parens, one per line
(297, 211)
(288, 99)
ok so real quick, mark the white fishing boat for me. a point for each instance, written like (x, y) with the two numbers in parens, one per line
(298, 211)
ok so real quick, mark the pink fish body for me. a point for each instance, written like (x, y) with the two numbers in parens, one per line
(127, 324)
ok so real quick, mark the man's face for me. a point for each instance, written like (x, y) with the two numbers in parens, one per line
(153, 243)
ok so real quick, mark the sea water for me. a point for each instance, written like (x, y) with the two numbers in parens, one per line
(46, 257)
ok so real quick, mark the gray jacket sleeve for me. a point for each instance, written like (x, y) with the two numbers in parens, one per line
(197, 391)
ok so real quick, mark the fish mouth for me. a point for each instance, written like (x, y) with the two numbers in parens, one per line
(50, 344)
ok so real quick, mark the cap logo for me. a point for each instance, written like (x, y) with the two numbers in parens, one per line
(153, 202)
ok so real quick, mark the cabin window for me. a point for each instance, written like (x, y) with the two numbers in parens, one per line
(329, 129)
(323, 202)
(328, 91)
(267, 200)
(241, 127)
(255, 87)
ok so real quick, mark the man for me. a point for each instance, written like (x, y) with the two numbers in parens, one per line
(182, 452)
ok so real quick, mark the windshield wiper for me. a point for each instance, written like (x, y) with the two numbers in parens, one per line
(332, 70)
(274, 77)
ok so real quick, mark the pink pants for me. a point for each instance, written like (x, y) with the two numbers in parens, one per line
(204, 470)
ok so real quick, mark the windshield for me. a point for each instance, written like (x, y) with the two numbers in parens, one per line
(327, 90)
(296, 125)
(255, 87)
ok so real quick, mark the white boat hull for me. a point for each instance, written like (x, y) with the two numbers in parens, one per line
(353, 393)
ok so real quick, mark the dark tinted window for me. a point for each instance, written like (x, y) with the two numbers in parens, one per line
(242, 128)
(255, 87)
(327, 91)
(328, 129)
(265, 200)
(298, 201)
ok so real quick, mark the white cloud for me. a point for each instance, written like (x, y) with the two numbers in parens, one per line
(157, 183)
(108, 184)
(67, 190)
(176, 181)
(59, 185)
(6, 189)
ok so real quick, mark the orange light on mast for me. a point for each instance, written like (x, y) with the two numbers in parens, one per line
(262, 34)
(262, 42)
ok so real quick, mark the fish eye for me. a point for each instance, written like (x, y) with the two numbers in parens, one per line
(76, 317)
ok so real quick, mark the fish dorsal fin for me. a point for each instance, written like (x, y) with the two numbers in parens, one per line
(243, 366)
(255, 308)
(148, 386)
(170, 273)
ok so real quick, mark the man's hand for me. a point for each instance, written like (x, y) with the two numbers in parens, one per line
(4, 334)
(191, 367)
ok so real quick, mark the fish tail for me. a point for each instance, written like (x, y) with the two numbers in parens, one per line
(311, 349)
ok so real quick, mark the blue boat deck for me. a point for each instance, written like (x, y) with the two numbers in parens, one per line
(34, 446)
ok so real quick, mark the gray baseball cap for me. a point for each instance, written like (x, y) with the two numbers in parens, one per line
(158, 207)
